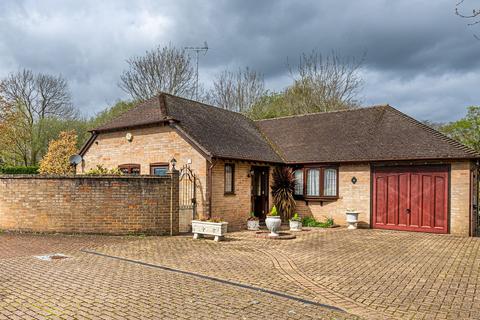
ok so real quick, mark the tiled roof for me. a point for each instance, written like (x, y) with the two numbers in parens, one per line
(221, 133)
(366, 134)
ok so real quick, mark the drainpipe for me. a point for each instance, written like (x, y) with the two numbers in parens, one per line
(210, 186)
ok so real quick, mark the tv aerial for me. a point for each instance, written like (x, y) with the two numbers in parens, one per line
(201, 49)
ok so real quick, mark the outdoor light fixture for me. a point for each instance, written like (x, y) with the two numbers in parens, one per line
(354, 180)
(173, 162)
(251, 173)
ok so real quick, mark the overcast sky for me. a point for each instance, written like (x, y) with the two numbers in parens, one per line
(420, 57)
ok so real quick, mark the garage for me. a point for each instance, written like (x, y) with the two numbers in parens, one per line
(411, 198)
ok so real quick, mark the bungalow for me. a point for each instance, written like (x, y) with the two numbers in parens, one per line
(397, 172)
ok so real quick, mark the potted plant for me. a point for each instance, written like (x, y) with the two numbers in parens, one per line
(273, 222)
(214, 226)
(352, 218)
(252, 222)
(296, 223)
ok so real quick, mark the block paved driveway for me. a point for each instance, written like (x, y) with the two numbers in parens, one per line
(369, 274)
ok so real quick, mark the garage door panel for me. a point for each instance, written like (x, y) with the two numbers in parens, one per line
(380, 200)
(440, 202)
(415, 200)
(403, 201)
(427, 202)
(392, 200)
(411, 198)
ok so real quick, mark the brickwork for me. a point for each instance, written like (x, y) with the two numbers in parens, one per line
(233, 208)
(110, 205)
(351, 196)
(149, 145)
(460, 198)
(161, 144)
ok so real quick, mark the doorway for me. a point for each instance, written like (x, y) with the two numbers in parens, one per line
(259, 176)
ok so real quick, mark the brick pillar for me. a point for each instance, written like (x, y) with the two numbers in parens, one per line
(174, 201)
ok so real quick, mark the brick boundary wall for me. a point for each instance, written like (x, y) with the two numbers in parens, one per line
(90, 204)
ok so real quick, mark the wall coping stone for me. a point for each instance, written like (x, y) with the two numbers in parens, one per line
(93, 177)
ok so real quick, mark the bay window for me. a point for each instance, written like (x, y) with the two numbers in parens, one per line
(298, 182)
(316, 182)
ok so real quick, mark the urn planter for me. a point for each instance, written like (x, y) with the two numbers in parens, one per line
(216, 229)
(253, 225)
(295, 225)
(273, 225)
(352, 219)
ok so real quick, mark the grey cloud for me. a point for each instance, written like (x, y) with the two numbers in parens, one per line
(420, 57)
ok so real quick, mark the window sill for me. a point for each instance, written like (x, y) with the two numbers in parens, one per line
(229, 194)
(316, 199)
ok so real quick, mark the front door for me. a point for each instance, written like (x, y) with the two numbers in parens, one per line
(260, 191)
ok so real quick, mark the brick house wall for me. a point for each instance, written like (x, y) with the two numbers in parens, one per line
(233, 208)
(149, 145)
(460, 198)
(351, 196)
(73, 204)
(358, 196)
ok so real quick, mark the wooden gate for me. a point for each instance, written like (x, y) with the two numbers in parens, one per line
(187, 198)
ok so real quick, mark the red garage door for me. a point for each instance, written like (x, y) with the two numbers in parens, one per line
(411, 198)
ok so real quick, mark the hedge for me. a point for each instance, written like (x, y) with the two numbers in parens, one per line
(18, 169)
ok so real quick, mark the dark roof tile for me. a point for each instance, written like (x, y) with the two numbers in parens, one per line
(365, 134)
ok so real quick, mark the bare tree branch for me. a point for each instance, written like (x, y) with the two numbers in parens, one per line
(472, 18)
(325, 83)
(237, 91)
(166, 69)
(31, 100)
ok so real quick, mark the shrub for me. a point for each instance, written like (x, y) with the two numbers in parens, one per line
(19, 170)
(100, 170)
(273, 212)
(283, 187)
(311, 222)
(57, 159)
(296, 217)
(252, 217)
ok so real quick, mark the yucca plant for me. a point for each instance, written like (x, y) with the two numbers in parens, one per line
(283, 187)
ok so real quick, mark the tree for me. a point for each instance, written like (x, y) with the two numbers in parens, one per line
(30, 101)
(57, 159)
(472, 18)
(166, 69)
(237, 91)
(110, 113)
(467, 129)
(320, 84)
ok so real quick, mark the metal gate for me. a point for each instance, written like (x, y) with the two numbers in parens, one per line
(187, 198)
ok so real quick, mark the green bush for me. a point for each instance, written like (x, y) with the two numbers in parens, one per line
(311, 222)
(18, 170)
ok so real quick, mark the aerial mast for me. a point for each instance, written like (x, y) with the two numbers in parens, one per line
(197, 51)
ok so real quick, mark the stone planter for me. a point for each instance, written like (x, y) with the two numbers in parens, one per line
(216, 229)
(273, 224)
(352, 219)
(253, 225)
(295, 225)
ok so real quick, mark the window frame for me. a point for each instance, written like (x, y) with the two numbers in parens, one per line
(130, 167)
(232, 187)
(321, 181)
(155, 165)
